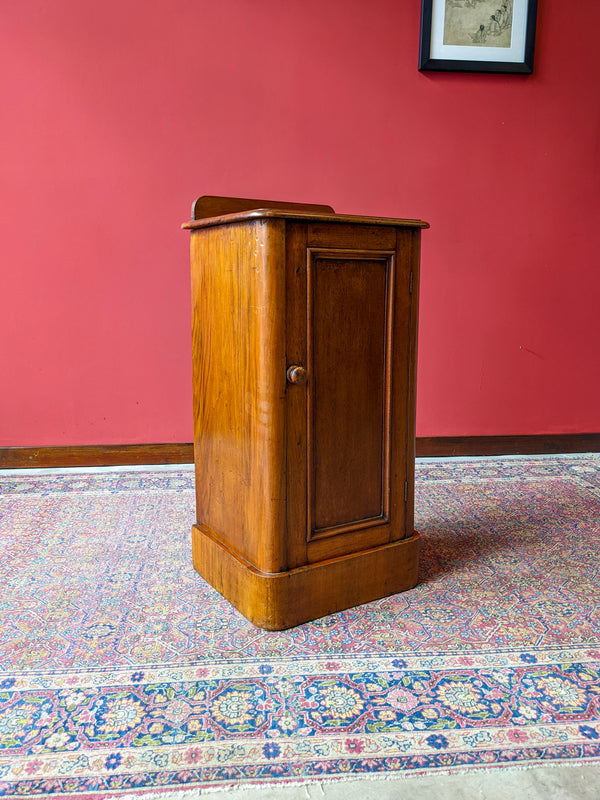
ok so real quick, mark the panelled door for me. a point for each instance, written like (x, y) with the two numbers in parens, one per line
(348, 350)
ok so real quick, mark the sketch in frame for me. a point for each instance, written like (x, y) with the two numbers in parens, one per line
(478, 22)
(478, 35)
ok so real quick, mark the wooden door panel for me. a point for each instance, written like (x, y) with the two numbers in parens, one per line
(349, 307)
(348, 322)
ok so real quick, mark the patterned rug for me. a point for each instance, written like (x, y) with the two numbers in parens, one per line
(122, 671)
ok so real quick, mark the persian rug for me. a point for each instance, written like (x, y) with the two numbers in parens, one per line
(123, 672)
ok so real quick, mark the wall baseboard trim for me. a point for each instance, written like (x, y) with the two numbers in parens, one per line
(102, 455)
(183, 453)
(543, 444)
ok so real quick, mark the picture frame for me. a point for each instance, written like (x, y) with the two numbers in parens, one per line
(478, 35)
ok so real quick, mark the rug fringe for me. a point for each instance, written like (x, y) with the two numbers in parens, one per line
(260, 790)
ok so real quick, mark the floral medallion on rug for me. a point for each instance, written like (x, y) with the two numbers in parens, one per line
(123, 672)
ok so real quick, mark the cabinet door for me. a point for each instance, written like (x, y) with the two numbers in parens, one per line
(348, 324)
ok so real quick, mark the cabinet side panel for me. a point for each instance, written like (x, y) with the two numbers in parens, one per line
(238, 296)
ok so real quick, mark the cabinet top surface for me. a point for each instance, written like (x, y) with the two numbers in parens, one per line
(300, 216)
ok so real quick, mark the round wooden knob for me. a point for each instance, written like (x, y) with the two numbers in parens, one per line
(296, 374)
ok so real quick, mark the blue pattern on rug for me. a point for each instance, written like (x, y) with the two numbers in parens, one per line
(121, 670)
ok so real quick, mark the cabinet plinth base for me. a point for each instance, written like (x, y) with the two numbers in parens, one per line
(285, 599)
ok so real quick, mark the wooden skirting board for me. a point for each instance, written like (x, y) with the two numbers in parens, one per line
(183, 453)
(95, 455)
(543, 444)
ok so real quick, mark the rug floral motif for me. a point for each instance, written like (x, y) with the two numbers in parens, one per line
(122, 671)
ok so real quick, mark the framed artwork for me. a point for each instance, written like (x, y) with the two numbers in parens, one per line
(477, 35)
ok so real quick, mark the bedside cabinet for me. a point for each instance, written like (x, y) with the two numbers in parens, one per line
(304, 365)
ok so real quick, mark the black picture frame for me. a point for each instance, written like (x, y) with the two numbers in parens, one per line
(463, 58)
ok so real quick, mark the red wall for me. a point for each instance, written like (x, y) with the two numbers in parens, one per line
(116, 115)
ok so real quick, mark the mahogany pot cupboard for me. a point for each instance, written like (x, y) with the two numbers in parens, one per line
(304, 354)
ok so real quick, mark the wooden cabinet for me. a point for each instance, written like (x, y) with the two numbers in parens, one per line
(304, 352)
